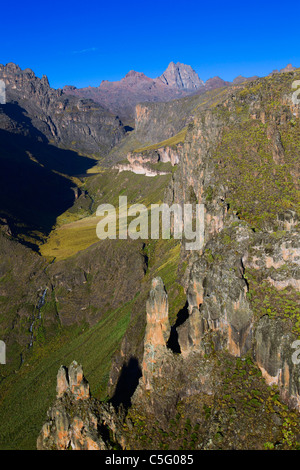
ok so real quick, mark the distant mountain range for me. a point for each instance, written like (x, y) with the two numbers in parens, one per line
(178, 80)
(121, 97)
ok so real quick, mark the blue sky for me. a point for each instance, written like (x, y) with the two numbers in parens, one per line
(83, 43)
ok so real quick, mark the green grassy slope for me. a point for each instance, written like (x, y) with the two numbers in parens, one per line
(29, 393)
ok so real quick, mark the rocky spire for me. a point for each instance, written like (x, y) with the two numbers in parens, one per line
(75, 419)
(182, 77)
(72, 382)
(157, 331)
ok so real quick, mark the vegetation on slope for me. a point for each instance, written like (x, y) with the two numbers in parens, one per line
(258, 157)
(27, 395)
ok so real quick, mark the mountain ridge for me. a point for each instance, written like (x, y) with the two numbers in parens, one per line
(177, 81)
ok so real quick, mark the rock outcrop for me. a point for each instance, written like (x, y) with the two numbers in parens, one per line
(287, 68)
(143, 163)
(274, 355)
(166, 377)
(217, 301)
(157, 332)
(163, 154)
(76, 421)
(72, 382)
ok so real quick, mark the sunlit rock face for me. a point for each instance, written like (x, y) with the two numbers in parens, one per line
(274, 355)
(157, 331)
(217, 301)
(75, 419)
(72, 381)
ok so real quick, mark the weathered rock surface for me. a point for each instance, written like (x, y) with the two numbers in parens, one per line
(139, 169)
(144, 162)
(243, 287)
(165, 376)
(76, 421)
(67, 121)
(182, 77)
(157, 332)
(274, 355)
(72, 381)
(217, 302)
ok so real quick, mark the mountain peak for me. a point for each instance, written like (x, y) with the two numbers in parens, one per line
(288, 68)
(132, 75)
(181, 76)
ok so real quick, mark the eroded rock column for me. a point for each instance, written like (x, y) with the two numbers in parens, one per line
(72, 423)
(157, 332)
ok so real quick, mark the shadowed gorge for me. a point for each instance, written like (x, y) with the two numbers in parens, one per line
(127, 383)
(34, 181)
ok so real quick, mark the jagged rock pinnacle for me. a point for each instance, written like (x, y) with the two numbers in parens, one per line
(182, 77)
(72, 381)
(157, 330)
(76, 421)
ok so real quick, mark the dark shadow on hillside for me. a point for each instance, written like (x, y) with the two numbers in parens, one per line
(33, 194)
(30, 138)
(127, 383)
(182, 316)
(25, 127)
(129, 128)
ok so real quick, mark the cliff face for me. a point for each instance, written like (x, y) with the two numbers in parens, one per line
(70, 122)
(144, 162)
(219, 308)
